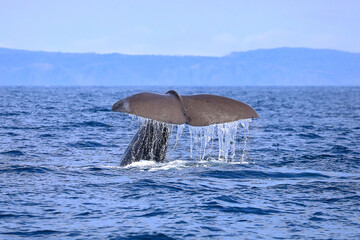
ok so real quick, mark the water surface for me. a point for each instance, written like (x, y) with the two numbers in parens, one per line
(60, 178)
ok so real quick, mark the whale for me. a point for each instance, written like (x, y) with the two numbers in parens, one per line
(151, 140)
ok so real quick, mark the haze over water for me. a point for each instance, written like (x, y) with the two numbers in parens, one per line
(60, 149)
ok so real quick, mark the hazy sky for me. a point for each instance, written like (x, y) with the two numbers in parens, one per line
(172, 27)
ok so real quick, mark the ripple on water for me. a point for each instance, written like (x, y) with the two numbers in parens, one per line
(310, 136)
(25, 169)
(86, 124)
(86, 144)
(13, 153)
(39, 233)
(144, 236)
(250, 174)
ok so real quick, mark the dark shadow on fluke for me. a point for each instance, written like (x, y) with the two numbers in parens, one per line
(150, 142)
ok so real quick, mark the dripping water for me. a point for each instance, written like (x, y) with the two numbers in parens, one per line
(220, 141)
(225, 142)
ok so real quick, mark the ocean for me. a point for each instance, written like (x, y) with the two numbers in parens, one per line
(294, 173)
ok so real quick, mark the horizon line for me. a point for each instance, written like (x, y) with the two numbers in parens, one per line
(178, 55)
(179, 86)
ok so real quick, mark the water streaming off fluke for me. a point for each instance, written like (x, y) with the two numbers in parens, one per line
(224, 142)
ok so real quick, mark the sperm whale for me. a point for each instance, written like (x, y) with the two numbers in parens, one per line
(150, 142)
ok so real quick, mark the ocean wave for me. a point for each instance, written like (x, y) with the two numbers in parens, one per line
(87, 124)
(25, 169)
(38, 233)
(248, 174)
(85, 144)
(13, 153)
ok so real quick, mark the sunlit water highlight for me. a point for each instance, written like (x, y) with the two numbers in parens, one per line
(295, 173)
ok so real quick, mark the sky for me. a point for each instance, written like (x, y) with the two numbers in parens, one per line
(170, 27)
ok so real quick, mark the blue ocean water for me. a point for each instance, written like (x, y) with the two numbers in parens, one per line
(60, 149)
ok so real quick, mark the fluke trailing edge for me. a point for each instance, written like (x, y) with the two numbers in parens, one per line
(150, 142)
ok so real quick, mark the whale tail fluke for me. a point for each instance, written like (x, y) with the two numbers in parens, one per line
(195, 110)
(150, 142)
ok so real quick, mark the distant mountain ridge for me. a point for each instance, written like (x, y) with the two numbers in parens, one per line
(263, 67)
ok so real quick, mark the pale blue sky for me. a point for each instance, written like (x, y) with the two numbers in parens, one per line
(210, 28)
